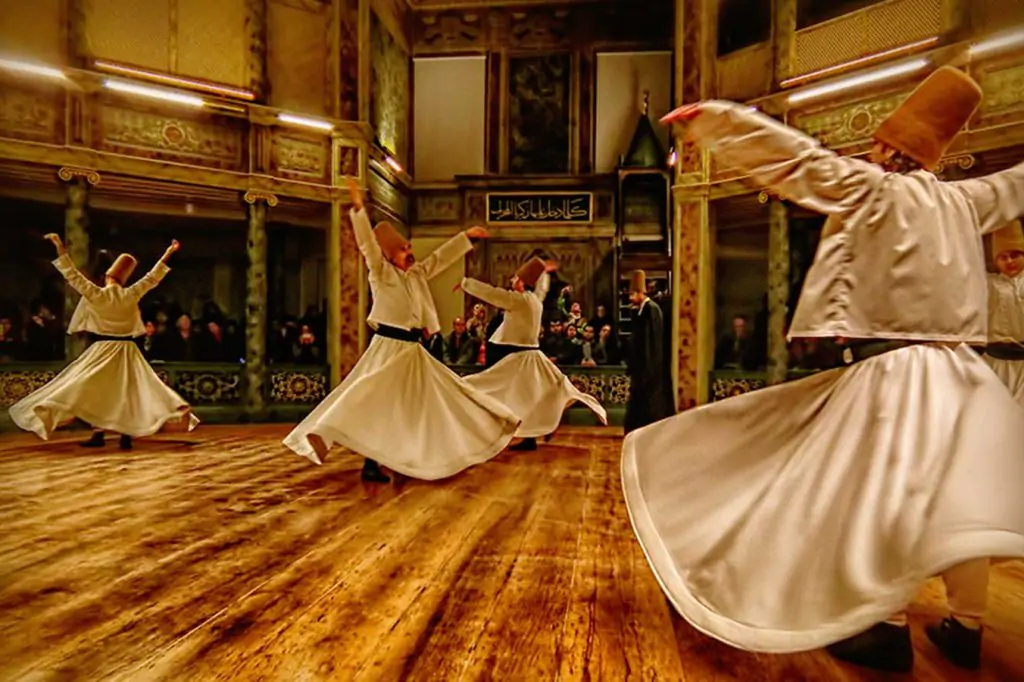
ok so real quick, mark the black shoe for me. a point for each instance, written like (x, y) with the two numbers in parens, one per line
(524, 445)
(96, 441)
(373, 474)
(883, 647)
(961, 645)
(126, 442)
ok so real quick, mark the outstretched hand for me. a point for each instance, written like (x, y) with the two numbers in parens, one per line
(358, 196)
(477, 232)
(687, 112)
(56, 241)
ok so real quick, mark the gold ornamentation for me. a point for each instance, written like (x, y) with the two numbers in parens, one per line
(29, 115)
(435, 208)
(68, 173)
(149, 135)
(390, 94)
(306, 158)
(444, 32)
(849, 124)
(252, 196)
(1004, 89)
(961, 161)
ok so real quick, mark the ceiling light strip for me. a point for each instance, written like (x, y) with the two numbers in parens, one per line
(1000, 42)
(31, 69)
(154, 93)
(858, 80)
(306, 122)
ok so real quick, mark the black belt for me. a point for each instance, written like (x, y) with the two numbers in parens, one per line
(863, 350)
(1005, 351)
(408, 335)
(100, 337)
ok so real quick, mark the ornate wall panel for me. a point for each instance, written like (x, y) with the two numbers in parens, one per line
(745, 74)
(348, 89)
(389, 197)
(538, 117)
(33, 30)
(1004, 91)
(850, 123)
(212, 41)
(300, 157)
(297, 54)
(131, 32)
(389, 104)
(438, 207)
(36, 114)
(873, 29)
(214, 143)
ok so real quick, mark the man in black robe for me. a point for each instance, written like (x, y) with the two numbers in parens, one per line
(650, 381)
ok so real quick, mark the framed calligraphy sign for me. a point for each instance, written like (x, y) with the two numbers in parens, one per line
(540, 207)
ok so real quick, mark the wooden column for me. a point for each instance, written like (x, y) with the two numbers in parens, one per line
(256, 21)
(693, 232)
(346, 295)
(76, 240)
(778, 291)
(256, 302)
(784, 16)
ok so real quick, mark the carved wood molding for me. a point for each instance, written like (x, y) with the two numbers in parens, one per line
(252, 197)
(68, 173)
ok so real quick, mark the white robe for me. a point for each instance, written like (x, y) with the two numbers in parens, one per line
(793, 517)
(110, 386)
(527, 382)
(399, 405)
(1006, 325)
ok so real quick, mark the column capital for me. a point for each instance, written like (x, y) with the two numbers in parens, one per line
(69, 173)
(252, 196)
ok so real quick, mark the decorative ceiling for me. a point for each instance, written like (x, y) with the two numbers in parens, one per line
(437, 5)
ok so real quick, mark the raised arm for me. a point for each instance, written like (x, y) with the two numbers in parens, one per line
(499, 298)
(997, 199)
(365, 240)
(72, 275)
(445, 255)
(149, 281)
(781, 158)
(540, 290)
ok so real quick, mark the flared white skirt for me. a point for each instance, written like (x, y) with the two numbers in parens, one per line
(1011, 373)
(534, 388)
(111, 387)
(409, 412)
(792, 517)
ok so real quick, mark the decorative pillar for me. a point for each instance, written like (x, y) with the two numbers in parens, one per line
(346, 295)
(693, 234)
(256, 301)
(778, 291)
(76, 240)
(256, 22)
(76, 43)
(784, 16)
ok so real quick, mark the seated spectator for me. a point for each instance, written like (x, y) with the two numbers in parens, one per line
(606, 352)
(181, 342)
(587, 346)
(211, 344)
(736, 350)
(553, 343)
(309, 353)
(572, 350)
(601, 318)
(44, 338)
(434, 343)
(459, 347)
(150, 343)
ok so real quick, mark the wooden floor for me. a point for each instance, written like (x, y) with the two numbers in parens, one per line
(231, 558)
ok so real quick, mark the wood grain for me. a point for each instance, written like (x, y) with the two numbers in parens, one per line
(223, 556)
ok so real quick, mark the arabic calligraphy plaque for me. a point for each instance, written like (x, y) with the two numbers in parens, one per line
(551, 207)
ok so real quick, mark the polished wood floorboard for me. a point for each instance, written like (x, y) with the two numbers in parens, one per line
(222, 556)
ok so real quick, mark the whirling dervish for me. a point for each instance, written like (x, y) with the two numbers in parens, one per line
(811, 513)
(110, 386)
(399, 406)
(525, 379)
